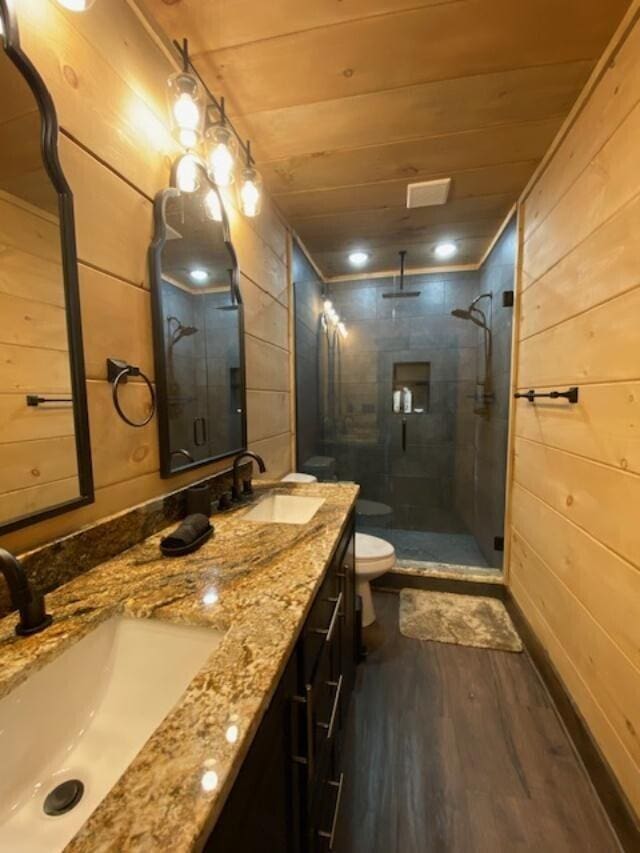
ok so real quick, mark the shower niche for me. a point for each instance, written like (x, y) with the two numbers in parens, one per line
(411, 387)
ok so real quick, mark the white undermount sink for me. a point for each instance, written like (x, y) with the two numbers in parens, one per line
(85, 716)
(285, 509)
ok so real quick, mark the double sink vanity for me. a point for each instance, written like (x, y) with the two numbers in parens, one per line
(170, 698)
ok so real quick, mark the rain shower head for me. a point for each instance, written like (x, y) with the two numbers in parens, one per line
(401, 292)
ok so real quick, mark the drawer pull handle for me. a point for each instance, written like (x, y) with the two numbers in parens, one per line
(336, 812)
(328, 632)
(307, 701)
(336, 704)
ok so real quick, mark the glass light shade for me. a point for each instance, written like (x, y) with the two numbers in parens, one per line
(342, 329)
(221, 147)
(250, 192)
(187, 108)
(76, 5)
(187, 174)
(213, 206)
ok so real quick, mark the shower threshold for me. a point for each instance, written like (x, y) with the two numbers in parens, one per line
(424, 548)
(450, 571)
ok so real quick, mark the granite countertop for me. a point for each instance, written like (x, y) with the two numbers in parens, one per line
(253, 581)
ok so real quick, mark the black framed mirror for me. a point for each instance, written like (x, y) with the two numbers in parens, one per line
(198, 327)
(45, 453)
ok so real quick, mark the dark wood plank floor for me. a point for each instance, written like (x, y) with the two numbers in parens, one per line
(459, 749)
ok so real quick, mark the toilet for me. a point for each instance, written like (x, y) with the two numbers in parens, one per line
(297, 477)
(374, 557)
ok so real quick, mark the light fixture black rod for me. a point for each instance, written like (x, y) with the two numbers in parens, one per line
(183, 50)
(402, 256)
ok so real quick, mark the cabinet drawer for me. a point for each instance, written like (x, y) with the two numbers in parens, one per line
(319, 708)
(326, 808)
(321, 625)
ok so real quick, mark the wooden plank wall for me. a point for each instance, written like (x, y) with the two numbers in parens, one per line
(107, 77)
(37, 446)
(575, 499)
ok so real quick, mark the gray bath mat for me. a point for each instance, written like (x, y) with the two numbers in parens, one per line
(466, 620)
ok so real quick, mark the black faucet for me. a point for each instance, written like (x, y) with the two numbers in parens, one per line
(29, 602)
(247, 490)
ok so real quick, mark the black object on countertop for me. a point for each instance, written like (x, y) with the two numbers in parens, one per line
(199, 499)
(193, 532)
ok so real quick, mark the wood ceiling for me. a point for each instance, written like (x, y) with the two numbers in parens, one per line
(347, 101)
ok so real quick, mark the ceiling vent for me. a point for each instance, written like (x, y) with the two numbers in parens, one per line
(428, 193)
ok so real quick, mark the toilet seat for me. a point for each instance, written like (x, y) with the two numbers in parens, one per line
(373, 554)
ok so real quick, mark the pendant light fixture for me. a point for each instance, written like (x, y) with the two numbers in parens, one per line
(191, 104)
(221, 151)
(187, 173)
(213, 206)
(250, 187)
(186, 105)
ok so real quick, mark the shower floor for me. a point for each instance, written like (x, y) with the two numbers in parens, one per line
(420, 546)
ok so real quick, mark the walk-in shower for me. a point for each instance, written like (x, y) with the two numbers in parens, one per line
(412, 403)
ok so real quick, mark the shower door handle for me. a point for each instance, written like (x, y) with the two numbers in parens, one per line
(404, 435)
(199, 432)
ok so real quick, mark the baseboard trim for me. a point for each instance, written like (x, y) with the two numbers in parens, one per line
(397, 580)
(614, 802)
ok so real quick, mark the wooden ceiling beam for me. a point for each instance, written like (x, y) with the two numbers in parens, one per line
(217, 24)
(421, 111)
(383, 195)
(430, 43)
(420, 256)
(370, 223)
(405, 160)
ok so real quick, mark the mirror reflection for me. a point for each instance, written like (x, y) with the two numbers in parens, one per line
(198, 326)
(38, 452)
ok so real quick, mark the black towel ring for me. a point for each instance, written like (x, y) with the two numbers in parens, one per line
(119, 371)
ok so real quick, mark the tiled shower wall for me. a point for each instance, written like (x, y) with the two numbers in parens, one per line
(482, 507)
(361, 430)
(307, 289)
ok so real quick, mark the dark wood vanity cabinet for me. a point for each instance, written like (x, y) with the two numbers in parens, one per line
(287, 795)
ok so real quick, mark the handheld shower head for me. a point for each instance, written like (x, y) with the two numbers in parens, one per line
(180, 330)
(471, 312)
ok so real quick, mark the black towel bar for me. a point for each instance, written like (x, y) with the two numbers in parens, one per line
(35, 400)
(571, 394)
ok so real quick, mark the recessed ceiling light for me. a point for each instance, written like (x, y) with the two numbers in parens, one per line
(358, 259)
(199, 275)
(445, 250)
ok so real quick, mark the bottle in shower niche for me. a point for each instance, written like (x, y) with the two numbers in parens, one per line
(397, 401)
(407, 401)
